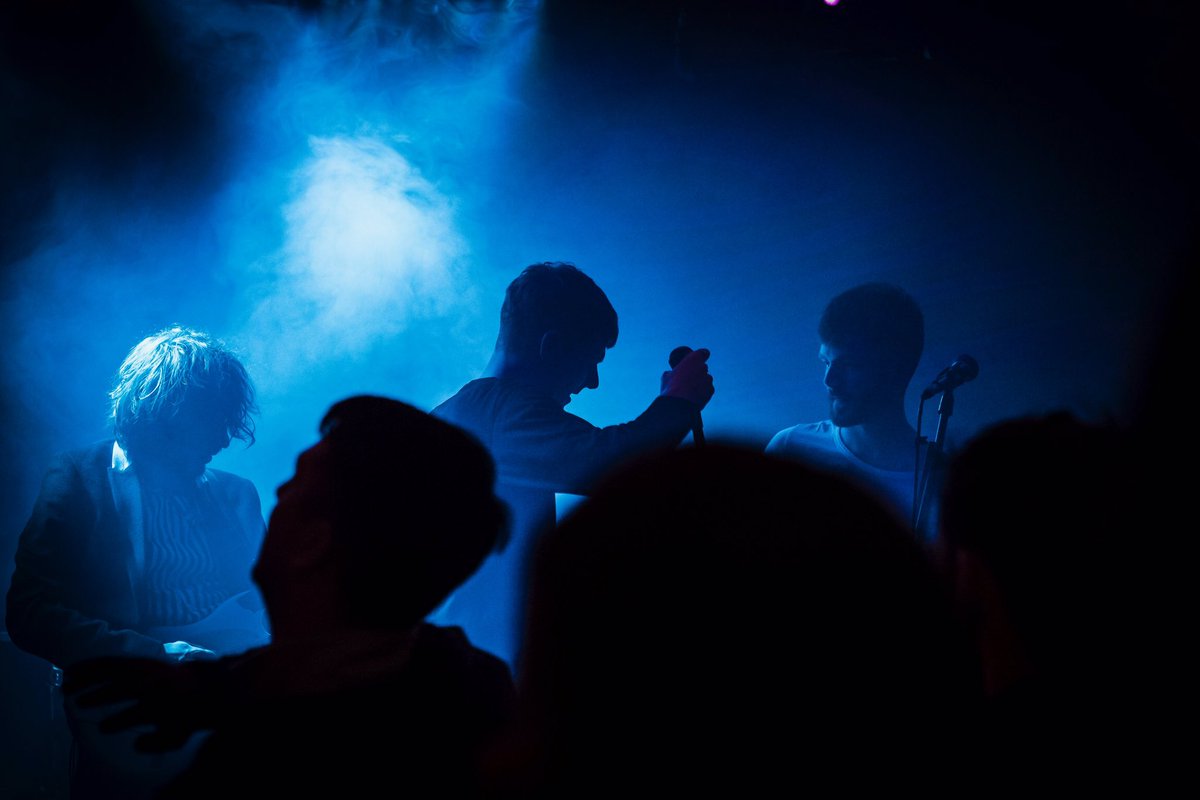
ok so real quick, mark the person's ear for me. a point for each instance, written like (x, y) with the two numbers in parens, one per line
(550, 347)
(897, 374)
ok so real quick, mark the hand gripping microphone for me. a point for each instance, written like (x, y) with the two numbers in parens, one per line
(677, 355)
(962, 370)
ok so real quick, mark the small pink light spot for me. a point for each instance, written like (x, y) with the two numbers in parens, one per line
(832, 2)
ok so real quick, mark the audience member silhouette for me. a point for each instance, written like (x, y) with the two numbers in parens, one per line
(384, 516)
(136, 548)
(555, 326)
(1043, 526)
(720, 620)
(871, 338)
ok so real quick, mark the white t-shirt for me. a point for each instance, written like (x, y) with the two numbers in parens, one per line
(820, 444)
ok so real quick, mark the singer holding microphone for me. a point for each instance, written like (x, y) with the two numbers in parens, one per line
(871, 339)
(555, 326)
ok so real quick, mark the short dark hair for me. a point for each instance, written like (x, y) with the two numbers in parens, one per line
(174, 366)
(1053, 507)
(881, 314)
(557, 296)
(414, 506)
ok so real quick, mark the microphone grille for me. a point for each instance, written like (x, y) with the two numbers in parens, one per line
(967, 367)
(677, 355)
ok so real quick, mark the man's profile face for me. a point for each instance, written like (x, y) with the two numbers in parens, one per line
(861, 382)
(576, 368)
(302, 507)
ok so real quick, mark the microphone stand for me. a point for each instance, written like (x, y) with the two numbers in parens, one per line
(933, 452)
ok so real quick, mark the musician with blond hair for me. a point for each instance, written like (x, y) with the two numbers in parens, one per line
(135, 547)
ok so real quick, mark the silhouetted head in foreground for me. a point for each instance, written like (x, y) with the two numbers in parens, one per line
(386, 515)
(1042, 517)
(719, 617)
(1064, 569)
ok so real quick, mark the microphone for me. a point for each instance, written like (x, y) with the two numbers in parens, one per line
(677, 355)
(962, 370)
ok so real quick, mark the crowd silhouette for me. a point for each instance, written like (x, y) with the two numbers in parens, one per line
(709, 618)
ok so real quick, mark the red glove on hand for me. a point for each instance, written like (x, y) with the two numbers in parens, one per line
(690, 379)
